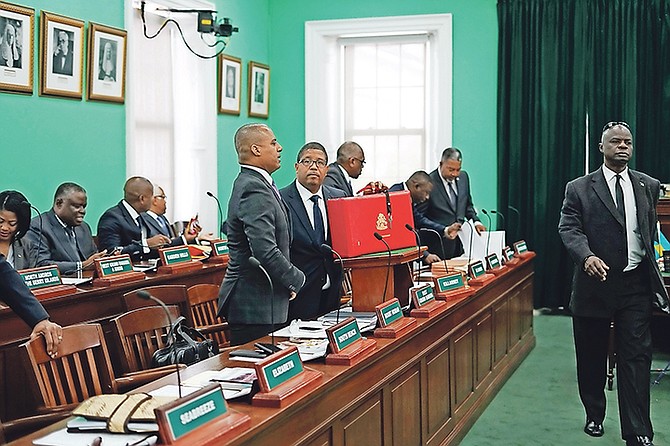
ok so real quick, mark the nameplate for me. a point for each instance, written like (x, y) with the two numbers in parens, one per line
(508, 253)
(192, 412)
(112, 266)
(43, 277)
(492, 261)
(450, 282)
(220, 248)
(422, 296)
(342, 335)
(175, 256)
(477, 269)
(520, 247)
(389, 312)
(282, 366)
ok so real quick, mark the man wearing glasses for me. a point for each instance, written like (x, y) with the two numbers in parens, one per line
(306, 200)
(608, 225)
(349, 165)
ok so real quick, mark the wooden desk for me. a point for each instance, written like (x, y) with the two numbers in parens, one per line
(87, 304)
(425, 388)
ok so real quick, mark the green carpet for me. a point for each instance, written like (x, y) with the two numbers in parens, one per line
(539, 404)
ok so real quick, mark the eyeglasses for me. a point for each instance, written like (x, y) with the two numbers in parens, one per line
(360, 161)
(611, 124)
(163, 197)
(309, 163)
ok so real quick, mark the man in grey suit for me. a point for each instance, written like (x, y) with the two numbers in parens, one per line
(349, 165)
(63, 237)
(258, 225)
(608, 225)
(449, 206)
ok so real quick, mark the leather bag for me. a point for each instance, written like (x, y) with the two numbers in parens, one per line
(191, 346)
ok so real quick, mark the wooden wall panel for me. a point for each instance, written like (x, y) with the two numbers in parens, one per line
(463, 366)
(406, 408)
(484, 347)
(364, 425)
(501, 330)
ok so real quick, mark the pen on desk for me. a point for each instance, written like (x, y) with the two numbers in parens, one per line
(217, 380)
(97, 441)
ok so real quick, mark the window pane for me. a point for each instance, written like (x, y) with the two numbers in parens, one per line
(411, 108)
(388, 65)
(365, 67)
(386, 165)
(413, 65)
(388, 104)
(365, 108)
(410, 154)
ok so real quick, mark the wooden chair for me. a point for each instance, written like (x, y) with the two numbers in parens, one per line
(170, 294)
(14, 429)
(139, 333)
(346, 287)
(203, 303)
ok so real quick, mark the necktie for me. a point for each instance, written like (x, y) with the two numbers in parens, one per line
(162, 221)
(621, 208)
(318, 220)
(453, 195)
(276, 191)
(72, 239)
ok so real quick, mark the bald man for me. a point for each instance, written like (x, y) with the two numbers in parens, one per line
(123, 229)
(258, 225)
(348, 165)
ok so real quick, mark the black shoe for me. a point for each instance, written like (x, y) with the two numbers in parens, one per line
(594, 429)
(640, 440)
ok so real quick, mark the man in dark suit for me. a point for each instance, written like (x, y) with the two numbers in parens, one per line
(349, 165)
(63, 237)
(62, 60)
(419, 186)
(306, 199)
(449, 206)
(16, 294)
(608, 225)
(121, 228)
(258, 225)
(158, 224)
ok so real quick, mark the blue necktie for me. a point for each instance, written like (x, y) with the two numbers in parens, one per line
(318, 220)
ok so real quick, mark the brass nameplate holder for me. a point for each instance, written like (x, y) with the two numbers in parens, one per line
(115, 269)
(283, 379)
(347, 346)
(219, 252)
(177, 259)
(393, 322)
(424, 302)
(452, 287)
(45, 282)
(478, 274)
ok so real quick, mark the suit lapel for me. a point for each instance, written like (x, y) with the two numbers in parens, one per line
(603, 192)
(63, 238)
(295, 202)
(642, 204)
(442, 191)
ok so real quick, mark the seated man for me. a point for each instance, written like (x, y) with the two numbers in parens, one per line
(158, 224)
(63, 237)
(122, 228)
(348, 165)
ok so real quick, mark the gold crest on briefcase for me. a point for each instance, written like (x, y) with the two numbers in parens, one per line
(382, 223)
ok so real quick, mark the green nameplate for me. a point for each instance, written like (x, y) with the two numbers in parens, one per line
(423, 296)
(477, 269)
(281, 369)
(493, 261)
(173, 256)
(389, 312)
(196, 412)
(115, 265)
(343, 334)
(520, 247)
(37, 278)
(221, 248)
(450, 283)
(509, 253)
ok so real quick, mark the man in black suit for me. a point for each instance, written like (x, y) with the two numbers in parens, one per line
(63, 237)
(16, 294)
(158, 224)
(608, 226)
(449, 206)
(121, 228)
(62, 60)
(419, 186)
(258, 225)
(306, 199)
(349, 165)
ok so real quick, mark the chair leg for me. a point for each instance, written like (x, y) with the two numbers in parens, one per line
(661, 374)
(611, 358)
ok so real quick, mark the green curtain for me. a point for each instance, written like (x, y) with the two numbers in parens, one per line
(566, 67)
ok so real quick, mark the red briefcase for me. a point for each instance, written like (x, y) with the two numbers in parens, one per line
(354, 220)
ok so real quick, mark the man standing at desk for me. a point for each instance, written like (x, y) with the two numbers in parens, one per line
(349, 165)
(306, 199)
(258, 225)
(608, 225)
(63, 237)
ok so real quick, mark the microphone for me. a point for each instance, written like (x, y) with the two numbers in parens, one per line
(253, 261)
(518, 221)
(145, 295)
(439, 237)
(488, 233)
(329, 250)
(218, 204)
(39, 214)
(472, 234)
(499, 214)
(379, 237)
(418, 244)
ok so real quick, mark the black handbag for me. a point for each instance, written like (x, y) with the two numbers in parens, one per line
(191, 346)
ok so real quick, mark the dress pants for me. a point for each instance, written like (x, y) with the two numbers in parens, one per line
(631, 303)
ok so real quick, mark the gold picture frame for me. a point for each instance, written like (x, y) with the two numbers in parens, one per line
(230, 81)
(259, 90)
(17, 25)
(61, 56)
(106, 63)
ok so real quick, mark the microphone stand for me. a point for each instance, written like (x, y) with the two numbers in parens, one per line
(439, 237)
(418, 246)
(488, 233)
(145, 295)
(325, 248)
(39, 215)
(253, 261)
(518, 219)
(472, 234)
(218, 205)
(379, 237)
(499, 214)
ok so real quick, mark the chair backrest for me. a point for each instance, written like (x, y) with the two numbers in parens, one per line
(81, 369)
(203, 302)
(170, 294)
(139, 333)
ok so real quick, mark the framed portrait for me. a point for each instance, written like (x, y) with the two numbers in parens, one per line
(61, 55)
(230, 79)
(106, 63)
(16, 48)
(259, 90)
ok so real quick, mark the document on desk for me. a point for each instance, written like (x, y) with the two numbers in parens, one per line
(468, 237)
(234, 381)
(65, 438)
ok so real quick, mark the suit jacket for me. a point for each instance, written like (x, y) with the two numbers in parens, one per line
(337, 180)
(116, 228)
(67, 66)
(306, 254)
(25, 253)
(591, 225)
(258, 225)
(155, 229)
(16, 294)
(54, 247)
(439, 213)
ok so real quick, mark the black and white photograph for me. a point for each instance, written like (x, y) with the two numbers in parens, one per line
(16, 48)
(259, 90)
(61, 55)
(107, 60)
(230, 77)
